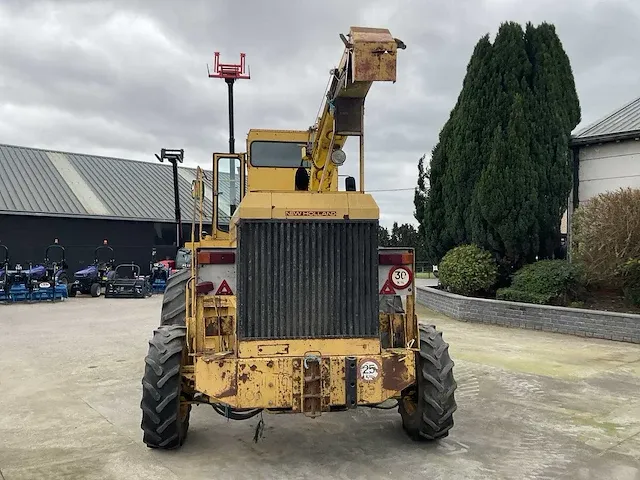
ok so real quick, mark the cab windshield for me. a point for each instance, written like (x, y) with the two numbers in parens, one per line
(277, 154)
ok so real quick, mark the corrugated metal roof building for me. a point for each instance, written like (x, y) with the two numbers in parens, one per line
(606, 155)
(83, 199)
(621, 124)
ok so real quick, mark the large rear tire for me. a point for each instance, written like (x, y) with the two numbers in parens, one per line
(174, 300)
(165, 414)
(427, 407)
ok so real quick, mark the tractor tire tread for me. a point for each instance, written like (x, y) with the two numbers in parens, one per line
(160, 404)
(433, 416)
(174, 299)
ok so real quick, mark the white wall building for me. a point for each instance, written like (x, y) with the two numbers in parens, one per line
(606, 156)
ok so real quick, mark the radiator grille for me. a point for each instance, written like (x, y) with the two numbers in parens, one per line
(302, 279)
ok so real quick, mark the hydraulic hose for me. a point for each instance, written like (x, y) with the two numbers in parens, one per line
(233, 414)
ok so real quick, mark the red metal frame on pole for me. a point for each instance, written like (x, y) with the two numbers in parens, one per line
(233, 71)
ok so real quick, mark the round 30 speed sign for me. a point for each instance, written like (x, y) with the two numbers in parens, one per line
(400, 277)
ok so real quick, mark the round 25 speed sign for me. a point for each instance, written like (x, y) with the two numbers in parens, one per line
(400, 277)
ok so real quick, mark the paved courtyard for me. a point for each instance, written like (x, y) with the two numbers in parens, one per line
(532, 405)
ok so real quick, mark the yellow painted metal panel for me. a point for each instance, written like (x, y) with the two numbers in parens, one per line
(277, 382)
(255, 205)
(298, 347)
(301, 205)
(363, 206)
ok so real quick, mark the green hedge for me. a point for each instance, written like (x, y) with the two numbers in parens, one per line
(555, 282)
(513, 295)
(468, 270)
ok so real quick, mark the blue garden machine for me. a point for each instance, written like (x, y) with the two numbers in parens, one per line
(92, 280)
(46, 281)
(160, 272)
(5, 274)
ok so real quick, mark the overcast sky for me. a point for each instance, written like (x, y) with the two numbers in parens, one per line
(126, 78)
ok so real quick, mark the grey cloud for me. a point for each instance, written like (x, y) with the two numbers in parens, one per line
(127, 77)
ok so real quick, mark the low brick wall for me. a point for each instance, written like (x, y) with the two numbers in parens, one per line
(573, 321)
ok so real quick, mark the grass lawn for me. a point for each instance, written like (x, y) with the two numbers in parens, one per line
(424, 275)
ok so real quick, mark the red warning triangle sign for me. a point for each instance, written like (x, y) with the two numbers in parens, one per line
(224, 289)
(387, 289)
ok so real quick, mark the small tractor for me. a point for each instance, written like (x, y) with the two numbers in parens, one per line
(6, 276)
(54, 283)
(126, 281)
(290, 305)
(160, 272)
(93, 279)
(46, 281)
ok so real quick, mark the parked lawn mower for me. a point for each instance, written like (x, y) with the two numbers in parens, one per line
(93, 279)
(127, 282)
(5, 266)
(47, 281)
(160, 272)
(16, 284)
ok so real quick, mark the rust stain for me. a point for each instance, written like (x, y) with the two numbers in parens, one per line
(296, 402)
(243, 378)
(242, 366)
(221, 364)
(253, 368)
(395, 374)
(232, 391)
(270, 364)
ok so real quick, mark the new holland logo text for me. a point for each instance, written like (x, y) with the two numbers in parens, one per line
(310, 213)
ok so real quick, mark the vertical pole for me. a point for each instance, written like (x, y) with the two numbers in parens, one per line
(362, 150)
(176, 193)
(232, 140)
(232, 145)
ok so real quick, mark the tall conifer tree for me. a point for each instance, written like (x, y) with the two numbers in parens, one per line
(557, 111)
(500, 174)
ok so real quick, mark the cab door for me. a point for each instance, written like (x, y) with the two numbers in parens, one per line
(229, 187)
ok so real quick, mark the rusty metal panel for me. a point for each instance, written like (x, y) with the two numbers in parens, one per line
(307, 279)
(374, 55)
(280, 382)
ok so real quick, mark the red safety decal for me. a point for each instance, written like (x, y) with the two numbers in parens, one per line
(224, 289)
(387, 289)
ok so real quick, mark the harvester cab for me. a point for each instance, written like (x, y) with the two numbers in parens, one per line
(239, 329)
(92, 280)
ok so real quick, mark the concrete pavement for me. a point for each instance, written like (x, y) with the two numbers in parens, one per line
(532, 405)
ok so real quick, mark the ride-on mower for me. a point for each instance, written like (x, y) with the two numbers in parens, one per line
(160, 272)
(127, 282)
(93, 279)
(46, 281)
(290, 305)
(54, 283)
(5, 278)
